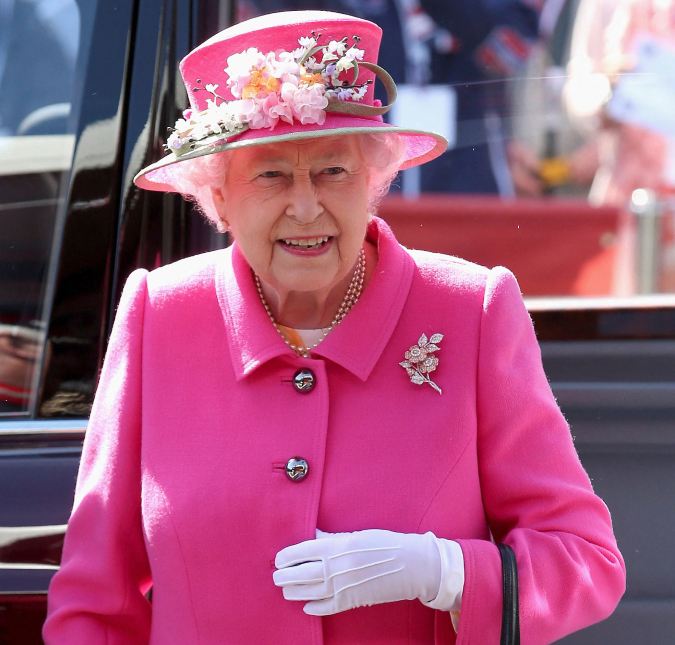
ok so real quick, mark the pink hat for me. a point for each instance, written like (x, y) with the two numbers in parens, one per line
(283, 77)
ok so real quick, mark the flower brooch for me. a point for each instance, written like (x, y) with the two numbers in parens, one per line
(420, 360)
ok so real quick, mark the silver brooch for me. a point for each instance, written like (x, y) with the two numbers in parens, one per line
(420, 360)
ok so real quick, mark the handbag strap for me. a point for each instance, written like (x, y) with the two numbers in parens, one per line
(510, 610)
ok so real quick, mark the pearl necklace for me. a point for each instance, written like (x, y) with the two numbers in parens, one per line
(350, 299)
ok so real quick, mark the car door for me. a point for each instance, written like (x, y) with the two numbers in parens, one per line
(86, 88)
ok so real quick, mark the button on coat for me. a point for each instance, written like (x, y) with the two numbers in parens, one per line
(297, 469)
(304, 380)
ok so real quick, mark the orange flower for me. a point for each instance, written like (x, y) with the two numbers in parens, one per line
(310, 79)
(259, 83)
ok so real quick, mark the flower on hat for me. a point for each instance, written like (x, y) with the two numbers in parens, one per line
(307, 102)
(286, 86)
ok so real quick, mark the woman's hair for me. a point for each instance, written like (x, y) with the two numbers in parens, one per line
(382, 153)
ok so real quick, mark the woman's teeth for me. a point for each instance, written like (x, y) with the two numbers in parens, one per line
(308, 243)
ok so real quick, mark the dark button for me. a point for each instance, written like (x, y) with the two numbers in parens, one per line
(297, 469)
(304, 380)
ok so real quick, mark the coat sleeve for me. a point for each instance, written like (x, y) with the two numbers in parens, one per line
(97, 597)
(537, 496)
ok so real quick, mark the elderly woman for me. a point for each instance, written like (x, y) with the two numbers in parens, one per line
(317, 435)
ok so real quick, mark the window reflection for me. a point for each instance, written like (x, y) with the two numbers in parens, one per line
(20, 349)
(39, 43)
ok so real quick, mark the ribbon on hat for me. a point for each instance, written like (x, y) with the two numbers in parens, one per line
(358, 109)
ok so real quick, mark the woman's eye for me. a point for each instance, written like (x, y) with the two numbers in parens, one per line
(271, 173)
(335, 170)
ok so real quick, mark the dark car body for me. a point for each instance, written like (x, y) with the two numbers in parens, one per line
(73, 234)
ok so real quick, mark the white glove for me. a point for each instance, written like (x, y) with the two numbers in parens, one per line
(340, 571)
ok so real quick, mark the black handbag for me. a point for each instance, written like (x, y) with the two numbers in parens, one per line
(510, 610)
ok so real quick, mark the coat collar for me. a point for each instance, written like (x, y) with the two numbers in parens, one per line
(356, 343)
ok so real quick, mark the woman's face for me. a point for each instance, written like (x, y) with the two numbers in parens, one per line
(298, 210)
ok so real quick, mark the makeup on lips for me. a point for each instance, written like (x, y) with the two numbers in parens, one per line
(307, 246)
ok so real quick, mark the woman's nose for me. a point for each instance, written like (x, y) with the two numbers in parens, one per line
(303, 203)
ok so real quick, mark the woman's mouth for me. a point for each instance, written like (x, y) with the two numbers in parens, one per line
(307, 246)
(306, 243)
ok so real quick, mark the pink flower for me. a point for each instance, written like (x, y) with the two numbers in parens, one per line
(275, 109)
(285, 67)
(245, 110)
(187, 114)
(307, 103)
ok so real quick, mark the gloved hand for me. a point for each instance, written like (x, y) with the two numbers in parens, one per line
(340, 571)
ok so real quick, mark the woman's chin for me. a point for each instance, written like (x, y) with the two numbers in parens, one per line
(306, 283)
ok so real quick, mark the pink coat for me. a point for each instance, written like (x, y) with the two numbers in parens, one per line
(182, 483)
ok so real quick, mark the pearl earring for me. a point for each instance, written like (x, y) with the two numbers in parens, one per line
(221, 226)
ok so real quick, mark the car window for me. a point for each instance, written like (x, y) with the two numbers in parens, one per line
(39, 46)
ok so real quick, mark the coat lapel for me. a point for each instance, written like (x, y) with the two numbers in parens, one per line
(356, 343)
(251, 337)
(359, 340)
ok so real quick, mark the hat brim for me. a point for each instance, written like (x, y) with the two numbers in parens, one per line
(420, 146)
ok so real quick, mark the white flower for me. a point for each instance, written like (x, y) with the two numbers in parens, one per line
(336, 47)
(227, 116)
(239, 68)
(328, 57)
(283, 67)
(353, 53)
(210, 87)
(306, 42)
(311, 64)
(343, 65)
(357, 95)
(199, 132)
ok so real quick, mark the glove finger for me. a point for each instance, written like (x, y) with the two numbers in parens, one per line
(308, 551)
(302, 574)
(308, 592)
(323, 607)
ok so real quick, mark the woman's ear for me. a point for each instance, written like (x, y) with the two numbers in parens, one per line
(218, 200)
(219, 203)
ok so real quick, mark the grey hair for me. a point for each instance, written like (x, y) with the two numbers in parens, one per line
(382, 153)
